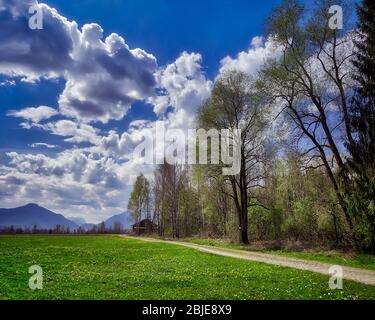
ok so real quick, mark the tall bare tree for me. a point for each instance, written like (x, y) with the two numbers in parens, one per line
(311, 82)
(170, 180)
(235, 104)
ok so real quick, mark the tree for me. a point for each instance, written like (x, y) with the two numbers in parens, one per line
(311, 82)
(117, 227)
(140, 198)
(361, 164)
(102, 228)
(170, 180)
(234, 104)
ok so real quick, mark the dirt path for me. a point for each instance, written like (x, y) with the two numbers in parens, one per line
(349, 273)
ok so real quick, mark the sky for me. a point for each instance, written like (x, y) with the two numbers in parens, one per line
(76, 95)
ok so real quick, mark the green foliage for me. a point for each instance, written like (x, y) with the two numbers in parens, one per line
(265, 224)
(362, 208)
(301, 206)
(361, 165)
(302, 223)
(139, 198)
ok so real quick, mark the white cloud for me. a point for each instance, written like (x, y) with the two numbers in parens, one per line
(103, 77)
(107, 77)
(7, 83)
(252, 60)
(76, 132)
(183, 85)
(42, 144)
(29, 54)
(72, 181)
(34, 114)
(137, 124)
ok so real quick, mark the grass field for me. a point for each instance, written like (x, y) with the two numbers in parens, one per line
(363, 261)
(110, 267)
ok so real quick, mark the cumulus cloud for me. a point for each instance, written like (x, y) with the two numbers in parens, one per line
(75, 132)
(107, 77)
(62, 195)
(33, 54)
(103, 76)
(121, 146)
(75, 165)
(34, 114)
(261, 50)
(182, 84)
(96, 186)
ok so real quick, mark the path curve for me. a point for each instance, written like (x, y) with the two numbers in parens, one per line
(349, 273)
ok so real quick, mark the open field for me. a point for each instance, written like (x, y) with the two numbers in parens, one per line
(110, 267)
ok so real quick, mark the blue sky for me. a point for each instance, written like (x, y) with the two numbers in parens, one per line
(168, 27)
(75, 98)
(164, 28)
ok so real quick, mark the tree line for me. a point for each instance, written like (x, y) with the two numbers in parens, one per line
(101, 228)
(312, 178)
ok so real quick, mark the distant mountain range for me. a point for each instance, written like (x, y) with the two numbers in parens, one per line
(30, 215)
(124, 218)
(33, 215)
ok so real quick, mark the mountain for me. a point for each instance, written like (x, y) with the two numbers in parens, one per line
(88, 226)
(82, 223)
(32, 215)
(77, 220)
(124, 218)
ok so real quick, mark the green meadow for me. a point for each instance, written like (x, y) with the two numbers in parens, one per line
(111, 267)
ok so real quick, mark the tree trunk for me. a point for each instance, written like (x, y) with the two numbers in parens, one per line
(244, 228)
(244, 198)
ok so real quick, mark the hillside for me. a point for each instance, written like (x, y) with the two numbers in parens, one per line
(32, 215)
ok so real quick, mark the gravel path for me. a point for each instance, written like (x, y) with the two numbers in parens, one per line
(349, 273)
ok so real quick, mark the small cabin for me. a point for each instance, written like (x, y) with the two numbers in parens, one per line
(145, 226)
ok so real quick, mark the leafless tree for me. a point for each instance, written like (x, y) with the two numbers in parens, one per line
(311, 82)
(235, 104)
